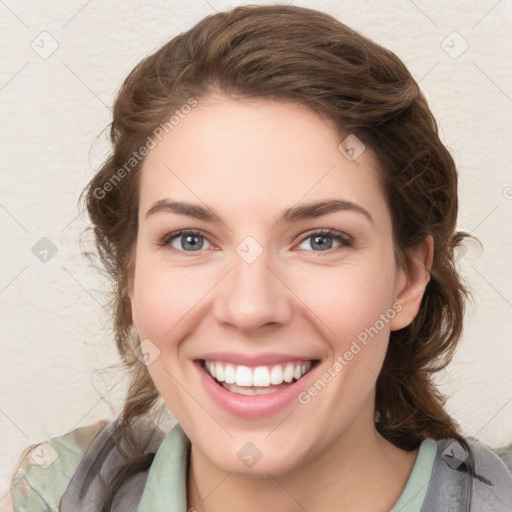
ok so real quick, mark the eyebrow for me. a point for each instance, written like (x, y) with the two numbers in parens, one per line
(290, 215)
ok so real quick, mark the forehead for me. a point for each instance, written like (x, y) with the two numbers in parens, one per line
(253, 154)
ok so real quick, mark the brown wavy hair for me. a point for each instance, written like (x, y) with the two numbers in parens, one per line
(303, 56)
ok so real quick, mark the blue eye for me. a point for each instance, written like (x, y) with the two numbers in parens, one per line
(323, 240)
(190, 241)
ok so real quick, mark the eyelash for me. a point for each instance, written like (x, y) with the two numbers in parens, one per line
(343, 239)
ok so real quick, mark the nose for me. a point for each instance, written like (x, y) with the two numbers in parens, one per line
(253, 297)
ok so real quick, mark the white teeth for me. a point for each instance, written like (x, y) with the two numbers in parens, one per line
(244, 390)
(243, 376)
(288, 373)
(276, 375)
(260, 376)
(219, 372)
(229, 374)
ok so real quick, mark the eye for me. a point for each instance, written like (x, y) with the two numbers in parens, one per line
(185, 240)
(322, 240)
(188, 240)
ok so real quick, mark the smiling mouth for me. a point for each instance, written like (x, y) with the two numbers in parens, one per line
(258, 380)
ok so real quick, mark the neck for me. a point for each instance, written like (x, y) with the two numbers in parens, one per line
(360, 471)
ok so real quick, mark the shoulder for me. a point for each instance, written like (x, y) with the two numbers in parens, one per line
(505, 454)
(490, 487)
(117, 447)
(44, 469)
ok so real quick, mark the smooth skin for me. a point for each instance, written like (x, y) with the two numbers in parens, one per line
(249, 160)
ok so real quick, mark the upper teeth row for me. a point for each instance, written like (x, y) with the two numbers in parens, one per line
(258, 376)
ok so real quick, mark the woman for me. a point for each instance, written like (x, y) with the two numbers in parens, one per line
(278, 216)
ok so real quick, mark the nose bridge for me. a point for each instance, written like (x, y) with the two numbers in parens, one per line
(252, 295)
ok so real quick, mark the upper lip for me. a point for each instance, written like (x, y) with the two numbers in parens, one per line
(253, 359)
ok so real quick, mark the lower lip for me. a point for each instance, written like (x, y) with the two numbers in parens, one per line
(252, 406)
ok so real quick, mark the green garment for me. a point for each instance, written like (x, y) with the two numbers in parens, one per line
(167, 479)
(45, 470)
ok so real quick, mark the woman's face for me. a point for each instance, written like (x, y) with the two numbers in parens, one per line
(256, 294)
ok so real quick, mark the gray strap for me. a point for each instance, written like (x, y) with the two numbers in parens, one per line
(101, 460)
(449, 487)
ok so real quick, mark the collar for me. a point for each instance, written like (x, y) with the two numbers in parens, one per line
(413, 495)
(166, 485)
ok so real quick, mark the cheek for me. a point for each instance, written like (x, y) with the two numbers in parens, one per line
(348, 299)
(164, 300)
(164, 297)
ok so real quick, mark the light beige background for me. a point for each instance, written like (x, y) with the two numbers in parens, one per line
(54, 333)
